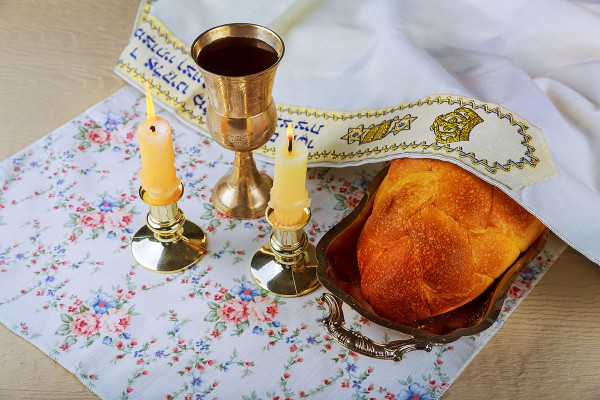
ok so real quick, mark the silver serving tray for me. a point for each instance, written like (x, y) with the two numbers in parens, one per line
(337, 271)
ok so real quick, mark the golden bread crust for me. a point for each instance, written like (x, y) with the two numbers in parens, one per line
(436, 239)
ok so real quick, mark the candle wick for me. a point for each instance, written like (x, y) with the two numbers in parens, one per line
(290, 140)
(152, 128)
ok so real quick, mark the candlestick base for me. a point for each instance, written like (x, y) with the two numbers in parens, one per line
(167, 243)
(287, 265)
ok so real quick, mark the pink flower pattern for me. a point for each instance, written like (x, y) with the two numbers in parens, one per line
(119, 218)
(69, 284)
(263, 310)
(234, 311)
(85, 324)
(92, 219)
(98, 136)
(115, 320)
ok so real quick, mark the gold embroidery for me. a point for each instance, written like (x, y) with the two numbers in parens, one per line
(184, 107)
(379, 131)
(354, 134)
(376, 132)
(455, 126)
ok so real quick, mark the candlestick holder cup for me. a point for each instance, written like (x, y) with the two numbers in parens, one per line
(238, 64)
(168, 242)
(287, 265)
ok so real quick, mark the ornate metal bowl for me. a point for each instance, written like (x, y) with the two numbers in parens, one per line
(338, 272)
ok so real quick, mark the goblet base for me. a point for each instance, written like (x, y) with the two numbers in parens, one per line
(237, 199)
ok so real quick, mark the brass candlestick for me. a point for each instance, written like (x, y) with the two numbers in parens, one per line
(168, 242)
(241, 114)
(287, 265)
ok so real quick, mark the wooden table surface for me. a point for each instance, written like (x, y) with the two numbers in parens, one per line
(56, 61)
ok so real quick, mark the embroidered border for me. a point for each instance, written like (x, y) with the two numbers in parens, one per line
(528, 158)
(180, 87)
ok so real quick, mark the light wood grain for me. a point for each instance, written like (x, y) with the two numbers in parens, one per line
(57, 60)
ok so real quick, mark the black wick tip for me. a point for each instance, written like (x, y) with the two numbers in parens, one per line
(152, 128)
(290, 139)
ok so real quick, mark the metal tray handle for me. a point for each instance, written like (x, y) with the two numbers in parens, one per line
(355, 341)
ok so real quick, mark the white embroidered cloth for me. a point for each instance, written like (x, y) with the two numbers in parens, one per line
(68, 283)
(356, 73)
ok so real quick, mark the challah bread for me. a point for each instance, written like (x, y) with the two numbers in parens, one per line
(436, 239)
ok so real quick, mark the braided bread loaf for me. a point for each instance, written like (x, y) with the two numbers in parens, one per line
(436, 239)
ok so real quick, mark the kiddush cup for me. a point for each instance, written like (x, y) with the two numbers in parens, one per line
(238, 64)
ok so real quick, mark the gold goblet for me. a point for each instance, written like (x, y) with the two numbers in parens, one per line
(238, 64)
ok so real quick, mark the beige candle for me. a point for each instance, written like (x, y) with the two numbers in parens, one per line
(289, 196)
(158, 175)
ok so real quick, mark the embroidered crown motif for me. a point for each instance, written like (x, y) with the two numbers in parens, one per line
(455, 126)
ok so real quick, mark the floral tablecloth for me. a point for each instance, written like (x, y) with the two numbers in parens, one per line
(68, 284)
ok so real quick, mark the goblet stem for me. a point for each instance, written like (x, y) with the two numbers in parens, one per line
(243, 193)
(245, 175)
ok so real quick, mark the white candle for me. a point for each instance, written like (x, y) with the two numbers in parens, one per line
(289, 196)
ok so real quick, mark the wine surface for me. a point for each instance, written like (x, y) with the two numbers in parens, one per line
(237, 56)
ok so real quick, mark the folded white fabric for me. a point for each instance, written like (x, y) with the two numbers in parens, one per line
(540, 59)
